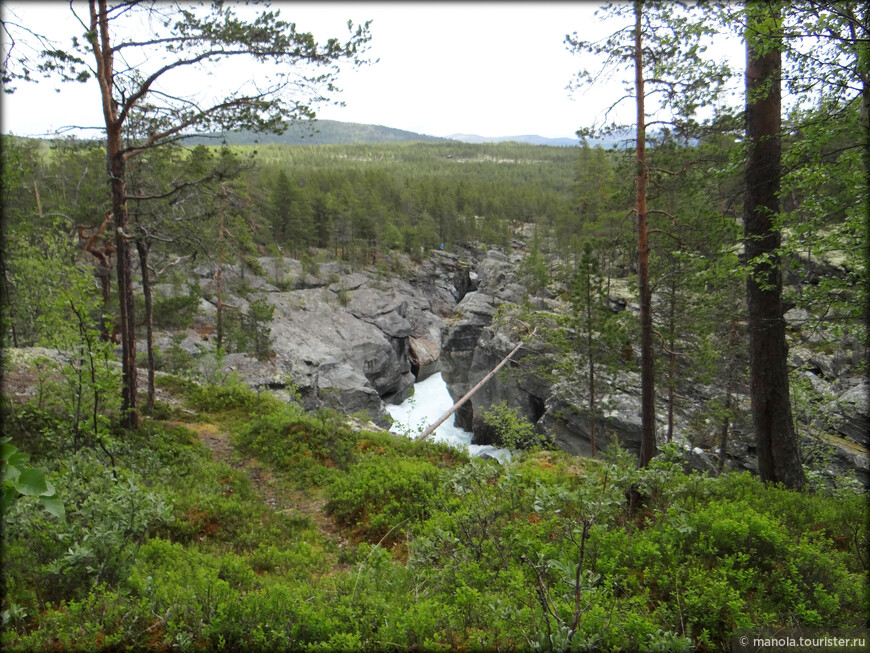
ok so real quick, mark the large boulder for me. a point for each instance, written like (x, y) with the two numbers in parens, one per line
(325, 351)
(566, 419)
(852, 408)
(424, 355)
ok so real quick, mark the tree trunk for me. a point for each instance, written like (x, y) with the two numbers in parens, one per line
(104, 274)
(776, 442)
(143, 248)
(117, 168)
(591, 360)
(730, 382)
(130, 418)
(425, 434)
(865, 124)
(647, 374)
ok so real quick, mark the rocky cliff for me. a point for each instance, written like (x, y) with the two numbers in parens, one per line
(344, 339)
(355, 339)
(834, 434)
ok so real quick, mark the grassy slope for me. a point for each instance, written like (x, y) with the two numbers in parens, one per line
(235, 521)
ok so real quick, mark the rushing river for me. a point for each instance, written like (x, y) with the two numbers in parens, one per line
(429, 402)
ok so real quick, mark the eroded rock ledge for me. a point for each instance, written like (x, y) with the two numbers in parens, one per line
(344, 339)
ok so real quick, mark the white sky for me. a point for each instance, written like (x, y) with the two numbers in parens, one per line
(486, 68)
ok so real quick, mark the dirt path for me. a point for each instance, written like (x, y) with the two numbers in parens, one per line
(272, 491)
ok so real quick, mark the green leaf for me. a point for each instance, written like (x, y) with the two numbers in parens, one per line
(53, 505)
(10, 494)
(18, 459)
(32, 482)
(6, 449)
(10, 474)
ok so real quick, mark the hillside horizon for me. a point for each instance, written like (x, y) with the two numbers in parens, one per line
(335, 132)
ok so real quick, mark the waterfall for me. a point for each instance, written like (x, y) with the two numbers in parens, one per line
(430, 401)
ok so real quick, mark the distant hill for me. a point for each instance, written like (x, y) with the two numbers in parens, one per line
(605, 141)
(527, 138)
(334, 132)
(317, 132)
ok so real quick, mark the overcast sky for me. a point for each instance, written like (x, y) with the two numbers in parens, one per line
(490, 68)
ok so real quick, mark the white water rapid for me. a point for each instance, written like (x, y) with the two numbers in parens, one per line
(429, 402)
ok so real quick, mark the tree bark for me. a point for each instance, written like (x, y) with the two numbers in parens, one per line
(648, 447)
(104, 274)
(116, 166)
(776, 441)
(143, 248)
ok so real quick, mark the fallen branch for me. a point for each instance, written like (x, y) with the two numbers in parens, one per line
(425, 434)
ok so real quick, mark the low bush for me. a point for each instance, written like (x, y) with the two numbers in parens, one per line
(225, 397)
(165, 548)
(380, 499)
(513, 431)
(309, 447)
(109, 514)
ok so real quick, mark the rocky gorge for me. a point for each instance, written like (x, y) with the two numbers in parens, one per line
(355, 340)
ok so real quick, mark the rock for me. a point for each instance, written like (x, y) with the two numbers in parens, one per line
(495, 272)
(526, 392)
(566, 419)
(443, 279)
(424, 356)
(796, 318)
(818, 384)
(342, 387)
(350, 282)
(384, 309)
(458, 345)
(310, 332)
(853, 409)
(344, 338)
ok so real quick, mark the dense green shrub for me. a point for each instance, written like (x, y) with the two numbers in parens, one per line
(225, 397)
(110, 513)
(384, 443)
(292, 441)
(168, 548)
(379, 499)
(513, 431)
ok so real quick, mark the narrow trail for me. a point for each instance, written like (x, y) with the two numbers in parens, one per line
(273, 493)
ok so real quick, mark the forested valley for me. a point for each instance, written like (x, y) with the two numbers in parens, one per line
(195, 450)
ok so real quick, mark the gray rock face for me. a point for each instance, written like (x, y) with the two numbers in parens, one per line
(352, 340)
(557, 407)
(444, 279)
(349, 340)
(473, 345)
(458, 347)
(853, 407)
(566, 419)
